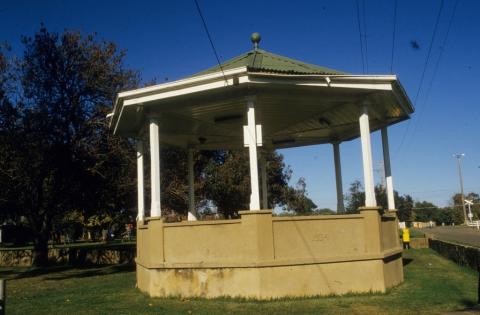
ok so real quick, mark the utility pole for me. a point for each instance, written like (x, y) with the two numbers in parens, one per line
(458, 156)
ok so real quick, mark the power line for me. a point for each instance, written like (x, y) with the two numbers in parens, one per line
(393, 35)
(423, 73)
(429, 51)
(437, 64)
(365, 35)
(427, 192)
(210, 38)
(361, 38)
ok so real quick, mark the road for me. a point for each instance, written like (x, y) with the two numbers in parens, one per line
(457, 234)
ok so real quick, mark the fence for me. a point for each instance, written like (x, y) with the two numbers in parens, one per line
(461, 254)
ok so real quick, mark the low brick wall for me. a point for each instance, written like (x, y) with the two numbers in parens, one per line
(463, 255)
(419, 242)
(89, 255)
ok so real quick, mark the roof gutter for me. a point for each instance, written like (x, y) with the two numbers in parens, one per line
(330, 80)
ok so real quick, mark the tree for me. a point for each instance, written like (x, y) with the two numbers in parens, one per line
(8, 117)
(61, 165)
(449, 215)
(56, 147)
(297, 198)
(424, 211)
(356, 199)
(404, 205)
(456, 203)
(325, 211)
(226, 177)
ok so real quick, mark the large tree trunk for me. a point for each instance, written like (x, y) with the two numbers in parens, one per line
(40, 249)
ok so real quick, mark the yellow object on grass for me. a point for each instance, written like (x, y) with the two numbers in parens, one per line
(406, 235)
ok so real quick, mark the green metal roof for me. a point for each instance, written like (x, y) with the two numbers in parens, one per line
(263, 61)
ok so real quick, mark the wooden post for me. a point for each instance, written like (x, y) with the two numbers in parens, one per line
(155, 210)
(140, 183)
(338, 177)
(370, 200)
(263, 169)
(191, 188)
(388, 169)
(252, 149)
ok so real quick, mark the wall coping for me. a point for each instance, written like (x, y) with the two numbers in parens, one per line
(370, 209)
(273, 263)
(196, 223)
(252, 212)
(261, 212)
(319, 217)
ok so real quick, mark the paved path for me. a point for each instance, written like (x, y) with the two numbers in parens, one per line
(457, 234)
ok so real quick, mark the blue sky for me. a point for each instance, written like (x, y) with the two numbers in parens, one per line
(165, 39)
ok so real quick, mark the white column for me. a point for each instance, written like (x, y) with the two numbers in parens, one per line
(191, 188)
(263, 170)
(338, 177)
(155, 209)
(252, 149)
(388, 170)
(140, 196)
(367, 160)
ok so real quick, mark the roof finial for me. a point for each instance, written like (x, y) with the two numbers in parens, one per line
(255, 38)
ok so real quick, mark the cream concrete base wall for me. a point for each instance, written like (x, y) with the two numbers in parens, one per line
(393, 271)
(265, 257)
(264, 282)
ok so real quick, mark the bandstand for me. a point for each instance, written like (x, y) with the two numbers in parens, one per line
(262, 100)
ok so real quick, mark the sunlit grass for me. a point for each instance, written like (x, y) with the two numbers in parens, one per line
(433, 285)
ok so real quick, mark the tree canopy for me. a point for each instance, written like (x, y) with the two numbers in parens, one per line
(356, 198)
(60, 163)
(56, 153)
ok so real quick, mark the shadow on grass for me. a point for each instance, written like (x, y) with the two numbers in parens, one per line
(469, 303)
(7, 273)
(92, 272)
(68, 272)
(406, 261)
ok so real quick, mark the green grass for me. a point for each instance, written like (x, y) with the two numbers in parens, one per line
(433, 285)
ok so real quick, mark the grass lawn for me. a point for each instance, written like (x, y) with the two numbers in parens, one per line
(433, 285)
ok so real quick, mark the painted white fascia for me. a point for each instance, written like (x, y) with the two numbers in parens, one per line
(375, 77)
(183, 82)
(382, 82)
(178, 92)
(175, 88)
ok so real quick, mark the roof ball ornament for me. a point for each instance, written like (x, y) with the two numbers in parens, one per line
(255, 38)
